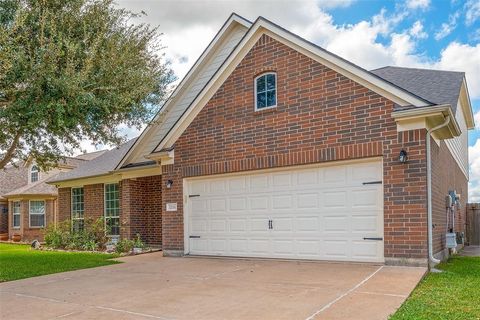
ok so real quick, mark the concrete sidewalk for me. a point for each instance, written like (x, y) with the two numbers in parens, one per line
(154, 287)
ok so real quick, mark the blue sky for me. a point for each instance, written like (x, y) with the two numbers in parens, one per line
(441, 34)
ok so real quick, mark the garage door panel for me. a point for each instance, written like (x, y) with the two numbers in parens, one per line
(322, 212)
(365, 250)
(237, 225)
(259, 203)
(335, 249)
(282, 202)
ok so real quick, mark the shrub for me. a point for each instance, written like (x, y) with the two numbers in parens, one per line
(57, 237)
(138, 243)
(91, 238)
(124, 245)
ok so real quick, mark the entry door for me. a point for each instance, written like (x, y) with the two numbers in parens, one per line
(310, 212)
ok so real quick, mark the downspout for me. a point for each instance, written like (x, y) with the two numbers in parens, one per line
(431, 258)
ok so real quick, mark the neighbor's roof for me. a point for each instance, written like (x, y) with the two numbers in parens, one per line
(37, 188)
(101, 165)
(436, 86)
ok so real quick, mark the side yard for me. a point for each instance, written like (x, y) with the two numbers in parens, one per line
(19, 261)
(451, 294)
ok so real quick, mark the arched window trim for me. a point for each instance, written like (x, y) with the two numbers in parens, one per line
(34, 170)
(255, 90)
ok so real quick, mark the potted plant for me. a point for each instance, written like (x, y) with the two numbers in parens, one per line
(16, 237)
(138, 245)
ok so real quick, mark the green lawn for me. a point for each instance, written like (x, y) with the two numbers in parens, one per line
(452, 294)
(19, 261)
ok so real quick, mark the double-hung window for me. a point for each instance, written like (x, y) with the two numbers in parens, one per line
(77, 209)
(16, 214)
(34, 173)
(112, 209)
(266, 91)
(37, 214)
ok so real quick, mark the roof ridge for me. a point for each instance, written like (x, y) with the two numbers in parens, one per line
(419, 69)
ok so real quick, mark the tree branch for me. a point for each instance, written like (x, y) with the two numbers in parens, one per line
(11, 151)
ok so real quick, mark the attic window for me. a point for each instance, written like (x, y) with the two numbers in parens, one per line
(34, 174)
(266, 91)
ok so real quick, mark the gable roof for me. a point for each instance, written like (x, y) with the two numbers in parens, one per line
(188, 89)
(428, 88)
(436, 86)
(263, 26)
(37, 188)
(101, 165)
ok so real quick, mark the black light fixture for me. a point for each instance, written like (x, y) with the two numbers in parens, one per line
(169, 184)
(403, 157)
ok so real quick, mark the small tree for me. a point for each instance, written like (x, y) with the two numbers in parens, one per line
(72, 70)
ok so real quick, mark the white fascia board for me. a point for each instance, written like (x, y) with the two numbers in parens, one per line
(227, 26)
(262, 26)
(427, 113)
(466, 105)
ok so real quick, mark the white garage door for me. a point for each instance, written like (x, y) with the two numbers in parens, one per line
(322, 213)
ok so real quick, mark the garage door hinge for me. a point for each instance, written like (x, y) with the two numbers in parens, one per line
(372, 182)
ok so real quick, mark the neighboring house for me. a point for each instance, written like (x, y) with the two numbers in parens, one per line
(27, 202)
(274, 147)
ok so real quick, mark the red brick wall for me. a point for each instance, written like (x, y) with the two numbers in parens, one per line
(446, 175)
(94, 201)
(29, 234)
(141, 211)
(3, 217)
(64, 204)
(321, 116)
(140, 202)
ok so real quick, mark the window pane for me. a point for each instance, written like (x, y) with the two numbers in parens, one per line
(270, 81)
(16, 220)
(271, 100)
(37, 220)
(37, 207)
(261, 84)
(16, 207)
(261, 100)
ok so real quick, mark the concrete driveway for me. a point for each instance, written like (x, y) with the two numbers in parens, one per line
(153, 287)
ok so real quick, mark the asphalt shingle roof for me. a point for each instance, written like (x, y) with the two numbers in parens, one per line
(98, 166)
(436, 86)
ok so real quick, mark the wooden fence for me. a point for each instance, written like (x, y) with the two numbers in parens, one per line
(473, 224)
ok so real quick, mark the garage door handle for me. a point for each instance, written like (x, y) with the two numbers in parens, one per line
(372, 182)
(378, 239)
(194, 237)
(194, 195)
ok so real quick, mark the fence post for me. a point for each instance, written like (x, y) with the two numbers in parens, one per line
(473, 224)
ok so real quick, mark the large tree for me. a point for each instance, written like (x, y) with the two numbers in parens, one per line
(72, 70)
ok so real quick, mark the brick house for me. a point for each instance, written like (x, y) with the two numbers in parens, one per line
(274, 147)
(27, 203)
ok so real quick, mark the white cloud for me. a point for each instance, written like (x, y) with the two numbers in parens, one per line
(472, 11)
(418, 4)
(417, 31)
(447, 27)
(463, 57)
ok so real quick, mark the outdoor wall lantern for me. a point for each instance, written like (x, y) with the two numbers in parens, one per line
(169, 184)
(403, 156)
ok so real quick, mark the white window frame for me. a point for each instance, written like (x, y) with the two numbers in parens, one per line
(255, 90)
(30, 214)
(105, 208)
(37, 172)
(19, 214)
(73, 219)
